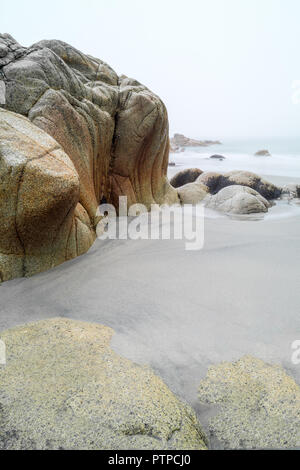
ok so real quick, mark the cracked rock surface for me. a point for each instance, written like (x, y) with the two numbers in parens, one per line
(72, 134)
(64, 388)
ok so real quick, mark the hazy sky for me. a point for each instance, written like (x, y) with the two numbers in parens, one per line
(224, 68)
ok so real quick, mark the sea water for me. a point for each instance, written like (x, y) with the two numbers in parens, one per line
(239, 155)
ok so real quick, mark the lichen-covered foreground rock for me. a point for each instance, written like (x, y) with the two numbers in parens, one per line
(64, 388)
(258, 405)
(72, 134)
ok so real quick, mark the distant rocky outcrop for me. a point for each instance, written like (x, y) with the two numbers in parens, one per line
(217, 181)
(180, 141)
(238, 200)
(263, 153)
(185, 176)
(73, 133)
(63, 387)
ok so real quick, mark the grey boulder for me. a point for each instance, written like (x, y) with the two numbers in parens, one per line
(238, 200)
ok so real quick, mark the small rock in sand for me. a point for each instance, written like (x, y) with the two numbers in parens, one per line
(263, 153)
(218, 157)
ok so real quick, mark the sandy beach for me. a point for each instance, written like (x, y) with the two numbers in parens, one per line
(181, 311)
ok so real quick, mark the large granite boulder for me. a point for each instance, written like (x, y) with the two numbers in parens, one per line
(238, 200)
(217, 181)
(80, 134)
(185, 176)
(63, 387)
(42, 221)
(257, 405)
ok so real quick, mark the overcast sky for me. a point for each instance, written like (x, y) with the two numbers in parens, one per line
(224, 68)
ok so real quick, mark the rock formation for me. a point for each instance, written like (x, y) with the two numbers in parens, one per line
(72, 134)
(258, 405)
(237, 192)
(185, 176)
(181, 141)
(217, 157)
(63, 387)
(238, 200)
(217, 181)
(263, 153)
